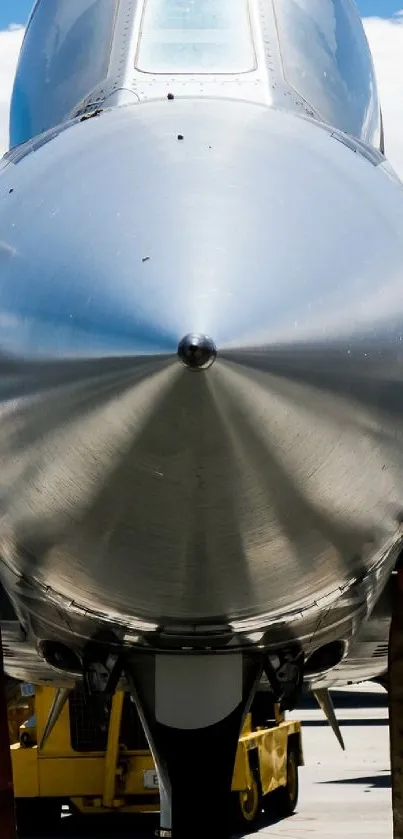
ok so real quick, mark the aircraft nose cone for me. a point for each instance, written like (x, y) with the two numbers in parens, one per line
(198, 352)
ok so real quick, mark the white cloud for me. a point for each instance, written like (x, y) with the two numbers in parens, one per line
(386, 41)
(10, 43)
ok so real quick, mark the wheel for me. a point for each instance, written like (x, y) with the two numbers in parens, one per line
(287, 797)
(37, 816)
(247, 805)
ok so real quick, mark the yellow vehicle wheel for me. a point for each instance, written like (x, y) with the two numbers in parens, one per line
(248, 804)
(287, 797)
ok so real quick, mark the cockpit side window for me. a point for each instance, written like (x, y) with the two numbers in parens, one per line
(65, 55)
(326, 59)
(196, 36)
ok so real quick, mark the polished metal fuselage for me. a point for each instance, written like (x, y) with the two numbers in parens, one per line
(367, 655)
(258, 501)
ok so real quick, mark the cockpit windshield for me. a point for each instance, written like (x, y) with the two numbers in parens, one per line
(196, 36)
(326, 59)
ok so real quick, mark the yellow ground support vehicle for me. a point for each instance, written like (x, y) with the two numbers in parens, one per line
(20, 708)
(97, 760)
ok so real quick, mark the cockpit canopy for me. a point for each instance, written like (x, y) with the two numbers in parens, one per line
(326, 59)
(309, 55)
(196, 36)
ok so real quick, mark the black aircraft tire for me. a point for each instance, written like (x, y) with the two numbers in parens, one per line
(37, 816)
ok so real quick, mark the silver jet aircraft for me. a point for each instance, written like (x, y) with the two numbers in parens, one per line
(201, 312)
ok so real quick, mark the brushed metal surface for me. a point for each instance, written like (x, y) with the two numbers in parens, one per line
(139, 489)
(327, 61)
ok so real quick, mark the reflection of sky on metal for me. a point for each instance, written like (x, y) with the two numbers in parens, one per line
(117, 239)
(44, 338)
(374, 314)
(203, 36)
(66, 54)
(253, 226)
(326, 60)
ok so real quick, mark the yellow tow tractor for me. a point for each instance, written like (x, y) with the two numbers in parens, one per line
(96, 760)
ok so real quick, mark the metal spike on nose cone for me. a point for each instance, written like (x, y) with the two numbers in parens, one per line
(197, 352)
(324, 701)
(60, 698)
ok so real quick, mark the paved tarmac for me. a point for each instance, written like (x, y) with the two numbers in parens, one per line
(342, 795)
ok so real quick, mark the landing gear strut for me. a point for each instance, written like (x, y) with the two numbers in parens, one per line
(395, 672)
(192, 708)
(7, 814)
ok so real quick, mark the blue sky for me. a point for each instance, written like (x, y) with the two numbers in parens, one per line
(378, 8)
(16, 11)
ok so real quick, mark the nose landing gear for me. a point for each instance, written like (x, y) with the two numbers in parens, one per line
(7, 813)
(395, 691)
(192, 708)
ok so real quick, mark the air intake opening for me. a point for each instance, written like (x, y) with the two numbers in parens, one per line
(324, 658)
(61, 657)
